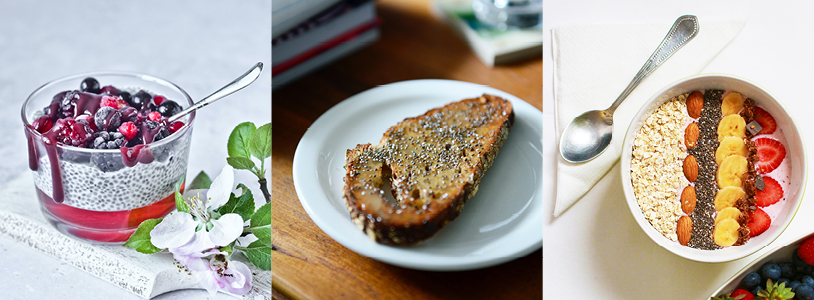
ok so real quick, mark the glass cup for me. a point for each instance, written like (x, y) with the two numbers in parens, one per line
(103, 195)
(505, 14)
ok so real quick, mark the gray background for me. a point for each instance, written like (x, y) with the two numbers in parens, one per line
(198, 45)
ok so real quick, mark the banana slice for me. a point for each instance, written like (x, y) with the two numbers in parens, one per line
(727, 213)
(732, 171)
(730, 145)
(726, 197)
(733, 103)
(726, 232)
(731, 125)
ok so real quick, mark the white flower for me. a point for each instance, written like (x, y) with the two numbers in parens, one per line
(189, 234)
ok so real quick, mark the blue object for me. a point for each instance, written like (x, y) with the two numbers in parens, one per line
(807, 280)
(755, 289)
(751, 279)
(804, 292)
(770, 271)
(793, 285)
(787, 270)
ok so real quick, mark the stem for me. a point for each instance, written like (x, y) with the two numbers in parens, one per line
(264, 189)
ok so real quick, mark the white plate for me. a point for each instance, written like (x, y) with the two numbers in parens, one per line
(503, 221)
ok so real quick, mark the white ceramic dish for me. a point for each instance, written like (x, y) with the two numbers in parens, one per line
(503, 221)
(796, 152)
(777, 255)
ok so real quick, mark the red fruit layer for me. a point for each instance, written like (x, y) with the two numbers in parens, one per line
(771, 193)
(806, 251)
(758, 222)
(771, 153)
(765, 120)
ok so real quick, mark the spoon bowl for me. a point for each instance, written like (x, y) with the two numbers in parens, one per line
(587, 136)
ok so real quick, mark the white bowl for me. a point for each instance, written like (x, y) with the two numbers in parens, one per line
(796, 152)
(777, 255)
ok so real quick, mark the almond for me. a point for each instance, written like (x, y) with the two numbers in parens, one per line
(690, 168)
(691, 135)
(688, 199)
(684, 230)
(695, 103)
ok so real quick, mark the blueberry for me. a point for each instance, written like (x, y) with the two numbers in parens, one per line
(139, 99)
(90, 85)
(125, 96)
(783, 280)
(807, 280)
(168, 108)
(751, 279)
(795, 258)
(804, 292)
(110, 90)
(793, 285)
(787, 270)
(771, 271)
(107, 162)
(107, 118)
(129, 114)
(757, 288)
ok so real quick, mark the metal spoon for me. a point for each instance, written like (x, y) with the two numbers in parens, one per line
(589, 134)
(234, 86)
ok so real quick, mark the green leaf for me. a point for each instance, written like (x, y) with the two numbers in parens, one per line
(180, 204)
(201, 181)
(258, 253)
(228, 248)
(262, 217)
(239, 140)
(140, 240)
(261, 142)
(240, 163)
(243, 205)
(263, 234)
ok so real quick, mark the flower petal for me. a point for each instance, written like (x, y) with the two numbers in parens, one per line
(199, 243)
(226, 229)
(207, 279)
(240, 282)
(221, 188)
(175, 230)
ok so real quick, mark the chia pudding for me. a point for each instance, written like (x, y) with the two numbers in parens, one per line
(105, 158)
(709, 169)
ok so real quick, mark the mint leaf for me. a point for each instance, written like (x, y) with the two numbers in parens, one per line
(240, 163)
(140, 240)
(180, 204)
(243, 205)
(239, 140)
(258, 253)
(260, 225)
(201, 181)
(261, 142)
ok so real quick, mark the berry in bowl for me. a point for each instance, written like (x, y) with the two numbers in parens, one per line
(103, 154)
(713, 168)
(786, 272)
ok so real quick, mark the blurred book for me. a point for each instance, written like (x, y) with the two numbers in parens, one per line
(285, 14)
(492, 46)
(324, 37)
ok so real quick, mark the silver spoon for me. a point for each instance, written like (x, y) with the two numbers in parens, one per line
(589, 134)
(234, 86)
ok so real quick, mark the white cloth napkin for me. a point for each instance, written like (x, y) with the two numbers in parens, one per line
(594, 63)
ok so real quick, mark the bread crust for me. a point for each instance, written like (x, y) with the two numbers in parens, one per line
(433, 164)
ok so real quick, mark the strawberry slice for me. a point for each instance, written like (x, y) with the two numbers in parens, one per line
(770, 194)
(738, 292)
(806, 250)
(771, 154)
(758, 222)
(765, 120)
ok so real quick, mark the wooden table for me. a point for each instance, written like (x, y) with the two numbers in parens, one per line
(307, 263)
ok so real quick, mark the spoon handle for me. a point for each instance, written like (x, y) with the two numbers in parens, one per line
(684, 29)
(234, 86)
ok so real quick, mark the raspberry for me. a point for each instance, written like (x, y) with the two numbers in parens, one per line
(70, 132)
(154, 116)
(129, 130)
(113, 101)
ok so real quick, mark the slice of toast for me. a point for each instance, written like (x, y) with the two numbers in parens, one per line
(432, 164)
